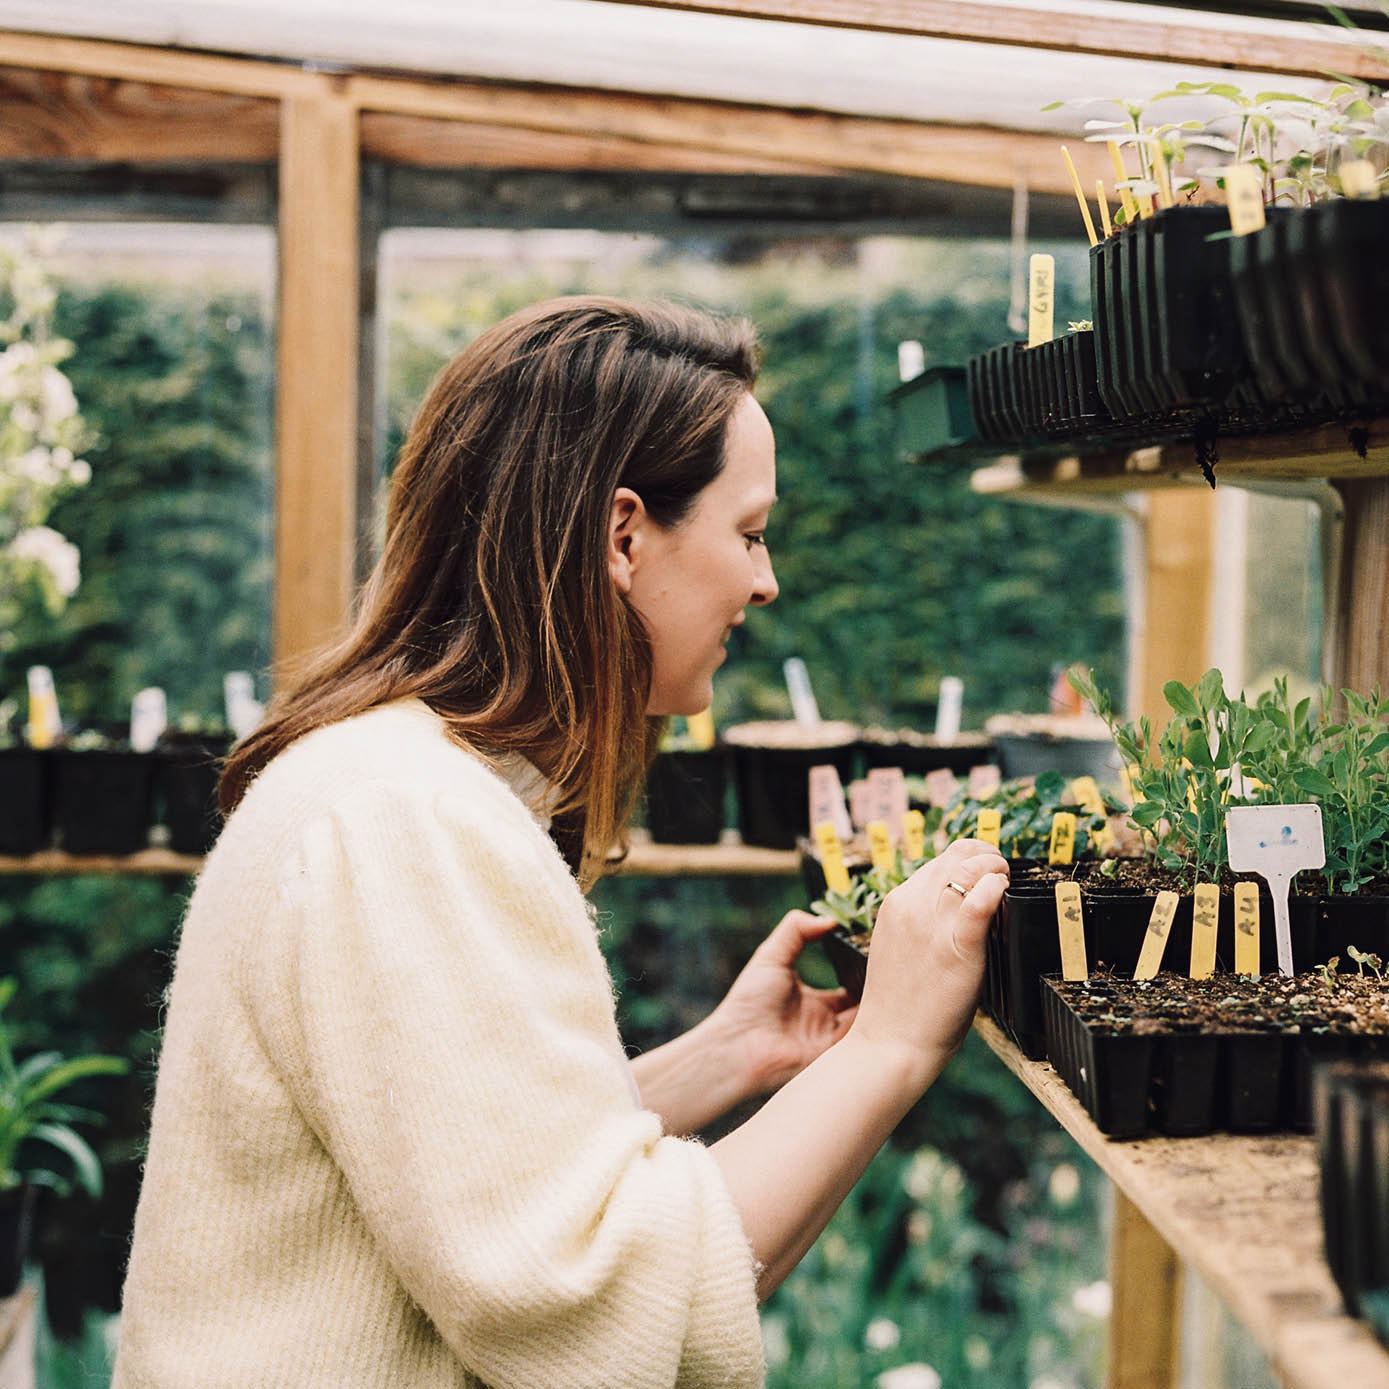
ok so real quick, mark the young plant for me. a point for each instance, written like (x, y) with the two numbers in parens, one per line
(30, 1115)
(857, 909)
(1026, 806)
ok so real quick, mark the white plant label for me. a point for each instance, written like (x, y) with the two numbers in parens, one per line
(244, 710)
(803, 704)
(827, 800)
(1276, 842)
(149, 716)
(949, 706)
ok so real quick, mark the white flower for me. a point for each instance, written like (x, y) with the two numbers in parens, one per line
(776, 1344)
(79, 472)
(42, 545)
(882, 1333)
(917, 1375)
(1093, 1300)
(1064, 1183)
(59, 403)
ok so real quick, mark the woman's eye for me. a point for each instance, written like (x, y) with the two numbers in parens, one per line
(754, 538)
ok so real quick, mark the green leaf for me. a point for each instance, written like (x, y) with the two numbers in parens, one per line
(1146, 814)
(84, 1161)
(1197, 750)
(1312, 781)
(76, 1069)
(1210, 692)
(1180, 699)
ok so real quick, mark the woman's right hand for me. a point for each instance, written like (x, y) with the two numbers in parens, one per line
(927, 963)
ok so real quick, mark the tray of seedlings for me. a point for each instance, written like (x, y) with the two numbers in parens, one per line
(1261, 954)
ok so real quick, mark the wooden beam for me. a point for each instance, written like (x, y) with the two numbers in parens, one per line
(1176, 620)
(1145, 1313)
(430, 142)
(1362, 658)
(978, 156)
(62, 115)
(316, 375)
(165, 66)
(1311, 54)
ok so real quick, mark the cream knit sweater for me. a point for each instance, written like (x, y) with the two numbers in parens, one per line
(394, 1137)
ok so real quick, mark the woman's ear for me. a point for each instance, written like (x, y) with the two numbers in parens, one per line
(625, 523)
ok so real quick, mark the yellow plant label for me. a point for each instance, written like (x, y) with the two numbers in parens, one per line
(1244, 194)
(1358, 179)
(700, 727)
(988, 825)
(1205, 921)
(1246, 928)
(1041, 280)
(45, 724)
(1070, 930)
(914, 834)
(832, 858)
(1061, 845)
(1155, 938)
(880, 848)
(1086, 792)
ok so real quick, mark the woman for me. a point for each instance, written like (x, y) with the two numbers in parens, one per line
(396, 1139)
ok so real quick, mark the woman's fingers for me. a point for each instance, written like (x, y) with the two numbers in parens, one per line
(791, 935)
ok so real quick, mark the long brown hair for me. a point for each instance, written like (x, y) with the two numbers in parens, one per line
(492, 600)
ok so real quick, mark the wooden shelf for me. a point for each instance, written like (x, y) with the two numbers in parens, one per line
(645, 858)
(1243, 1211)
(1324, 452)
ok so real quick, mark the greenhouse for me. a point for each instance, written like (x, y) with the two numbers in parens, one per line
(692, 692)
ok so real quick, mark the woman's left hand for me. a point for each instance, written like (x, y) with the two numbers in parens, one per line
(779, 1023)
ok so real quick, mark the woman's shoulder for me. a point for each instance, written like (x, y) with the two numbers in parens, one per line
(394, 759)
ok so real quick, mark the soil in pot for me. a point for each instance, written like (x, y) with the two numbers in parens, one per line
(771, 765)
(24, 822)
(1250, 1079)
(918, 753)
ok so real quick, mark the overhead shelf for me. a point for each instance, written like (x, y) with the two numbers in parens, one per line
(1328, 451)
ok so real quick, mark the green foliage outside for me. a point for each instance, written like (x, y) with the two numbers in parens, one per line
(891, 577)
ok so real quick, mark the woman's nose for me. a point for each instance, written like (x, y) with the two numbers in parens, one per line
(765, 587)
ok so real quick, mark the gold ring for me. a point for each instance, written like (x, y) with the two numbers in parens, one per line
(955, 887)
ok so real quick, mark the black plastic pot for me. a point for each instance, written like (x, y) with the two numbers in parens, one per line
(24, 820)
(102, 800)
(932, 412)
(849, 958)
(1257, 288)
(186, 776)
(16, 1228)
(1354, 270)
(918, 754)
(1352, 1124)
(1341, 922)
(774, 787)
(684, 796)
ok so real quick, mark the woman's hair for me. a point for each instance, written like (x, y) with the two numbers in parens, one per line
(492, 600)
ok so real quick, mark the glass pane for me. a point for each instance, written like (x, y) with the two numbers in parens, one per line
(891, 575)
(170, 371)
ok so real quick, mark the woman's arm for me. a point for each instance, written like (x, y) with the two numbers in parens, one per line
(796, 1159)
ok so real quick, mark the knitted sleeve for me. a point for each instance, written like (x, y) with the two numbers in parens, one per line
(435, 998)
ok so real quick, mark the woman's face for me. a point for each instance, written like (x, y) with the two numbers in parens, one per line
(690, 582)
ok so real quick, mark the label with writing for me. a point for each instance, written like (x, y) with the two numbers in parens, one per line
(1070, 931)
(1041, 280)
(827, 799)
(1155, 938)
(941, 784)
(1246, 928)
(1061, 845)
(1244, 194)
(914, 834)
(1276, 842)
(890, 800)
(987, 826)
(880, 847)
(1205, 921)
(832, 858)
